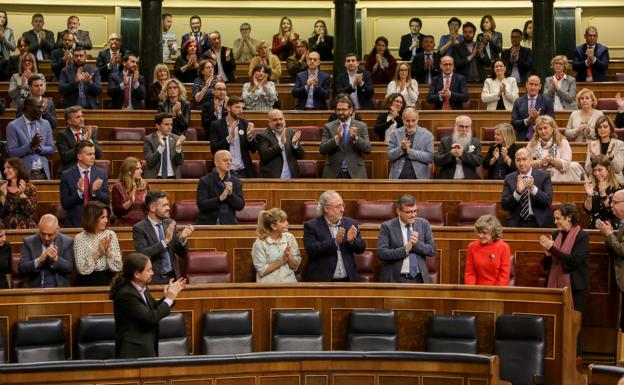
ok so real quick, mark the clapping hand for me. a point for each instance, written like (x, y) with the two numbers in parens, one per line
(97, 184)
(589, 187)
(520, 185)
(546, 242)
(529, 182)
(296, 137)
(604, 227)
(340, 236)
(620, 102)
(188, 230)
(174, 288)
(169, 232)
(457, 150)
(412, 241)
(352, 233)
(180, 141)
(406, 144)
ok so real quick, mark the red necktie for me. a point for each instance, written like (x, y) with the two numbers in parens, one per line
(447, 84)
(77, 137)
(86, 193)
(126, 101)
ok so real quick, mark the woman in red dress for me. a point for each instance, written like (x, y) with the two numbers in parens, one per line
(487, 260)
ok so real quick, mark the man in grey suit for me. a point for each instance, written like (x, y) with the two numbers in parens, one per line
(404, 244)
(459, 154)
(344, 141)
(82, 37)
(163, 150)
(410, 149)
(41, 40)
(47, 257)
(279, 148)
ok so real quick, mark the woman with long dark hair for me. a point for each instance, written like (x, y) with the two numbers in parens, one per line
(380, 62)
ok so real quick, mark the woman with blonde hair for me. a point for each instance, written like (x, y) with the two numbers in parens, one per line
(284, 42)
(500, 159)
(18, 84)
(275, 252)
(404, 85)
(488, 258)
(161, 75)
(266, 58)
(560, 88)
(128, 194)
(173, 101)
(582, 122)
(600, 189)
(606, 144)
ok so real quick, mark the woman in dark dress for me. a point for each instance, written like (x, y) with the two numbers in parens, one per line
(600, 189)
(185, 67)
(500, 159)
(173, 101)
(161, 75)
(321, 42)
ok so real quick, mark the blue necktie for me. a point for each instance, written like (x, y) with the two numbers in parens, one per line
(413, 261)
(33, 129)
(164, 165)
(166, 262)
(345, 136)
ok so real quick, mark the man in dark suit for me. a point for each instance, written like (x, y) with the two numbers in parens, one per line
(527, 194)
(81, 184)
(404, 244)
(76, 131)
(312, 85)
(216, 110)
(82, 37)
(448, 90)
(222, 57)
(528, 107)
(330, 241)
(162, 150)
(80, 84)
(62, 56)
(411, 43)
(356, 83)
(279, 148)
(137, 313)
(426, 64)
(47, 257)
(220, 194)
(157, 237)
(235, 134)
(36, 88)
(126, 87)
(41, 40)
(459, 154)
(518, 59)
(196, 34)
(470, 56)
(591, 59)
(109, 59)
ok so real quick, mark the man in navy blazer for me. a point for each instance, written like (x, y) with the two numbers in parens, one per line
(456, 93)
(518, 59)
(591, 59)
(356, 83)
(330, 241)
(81, 184)
(127, 76)
(109, 59)
(312, 85)
(195, 22)
(426, 64)
(522, 116)
(539, 194)
(80, 83)
(411, 43)
(404, 243)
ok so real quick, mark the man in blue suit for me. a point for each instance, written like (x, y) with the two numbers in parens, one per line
(29, 137)
(591, 59)
(528, 107)
(356, 83)
(80, 84)
(330, 241)
(449, 90)
(81, 184)
(404, 244)
(312, 86)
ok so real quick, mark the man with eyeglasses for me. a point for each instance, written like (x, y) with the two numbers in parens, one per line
(245, 46)
(449, 90)
(312, 85)
(404, 244)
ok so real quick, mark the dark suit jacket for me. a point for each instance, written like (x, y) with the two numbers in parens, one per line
(540, 202)
(391, 249)
(146, 241)
(5, 264)
(102, 61)
(211, 208)
(49, 114)
(137, 95)
(418, 67)
(180, 122)
(459, 91)
(72, 202)
(68, 87)
(82, 37)
(462, 65)
(271, 160)
(321, 92)
(208, 116)
(136, 322)
(404, 48)
(57, 61)
(324, 49)
(46, 46)
(525, 63)
(322, 250)
(204, 42)
(218, 141)
(447, 162)
(229, 66)
(365, 92)
(520, 111)
(61, 269)
(599, 68)
(351, 152)
(66, 145)
(153, 157)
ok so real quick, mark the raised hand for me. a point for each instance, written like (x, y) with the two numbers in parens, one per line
(340, 236)
(97, 184)
(352, 233)
(174, 288)
(169, 232)
(296, 137)
(188, 230)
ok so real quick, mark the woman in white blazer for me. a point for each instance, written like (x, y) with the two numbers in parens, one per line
(499, 92)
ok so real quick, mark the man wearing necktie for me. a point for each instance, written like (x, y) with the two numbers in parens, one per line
(411, 43)
(109, 59)
(162, 150)
(591, 59)
(404, 244)
(196, 34)
(528, 107)
(127, 87)
(426, 64)
(449, 90)
(76, 131)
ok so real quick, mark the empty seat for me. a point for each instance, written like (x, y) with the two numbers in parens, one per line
(309, 133)
(469, 212)
(431, 211)
(226, 332)
(433, 265)
(373, 212)
(193, 169)
(308, 168)
(619, 77)
(371, 330)
(185, 212)
(128, 133)
(297, 330)
(191, 134)
(105, 165)
(488, 134)
(95, 337)
(520, 343)
(38, 341)
(365, 266)
(310, 210)
(606, 104)
(442, 132)
(452, 334)
(207, 267)
(251, 212)
(172, 338)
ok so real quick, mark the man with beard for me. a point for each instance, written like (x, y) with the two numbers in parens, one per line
(459, 154)
(279, 148)
(109, 59)
(157, 237)
(80, 83)
(82, 37)
(344, 141)
(126, 88)
(410, 149)
(169, 50)
(214, 110)
(196, 34)
(528, 107)
(62, 56)
(222, 57)
(470, 57)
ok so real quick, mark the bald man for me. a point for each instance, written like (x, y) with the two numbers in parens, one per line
(528, 107)
(109, 59)
(279, 148)
(219, 194)
(47, 257)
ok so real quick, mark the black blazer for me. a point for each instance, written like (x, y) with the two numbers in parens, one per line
(576, 263)
(365, 92)
(324, 49)
(418, 67)
(5, 264)
(540, 202)
(68, 87)
(137, 95)
(208, 115)
(102, 61)
(180, 122)
(271, 160)
(66, 145)
(406, 42)
(459, 91)
(218, 141)
(72, 202)
(136, 322)
(46, 46)
(229, 66)
(57, 61)
(511, 151)
(211, 208)
(82, 37)
(471, 159)
(525, 63)
(520, 111)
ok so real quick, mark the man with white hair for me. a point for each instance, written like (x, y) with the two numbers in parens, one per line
(410, 149)
(459, 154)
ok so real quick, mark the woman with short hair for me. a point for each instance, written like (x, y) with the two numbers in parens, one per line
(560, 88)
(173, 101)
(488, 258)
(606, 144)
(582, 122)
